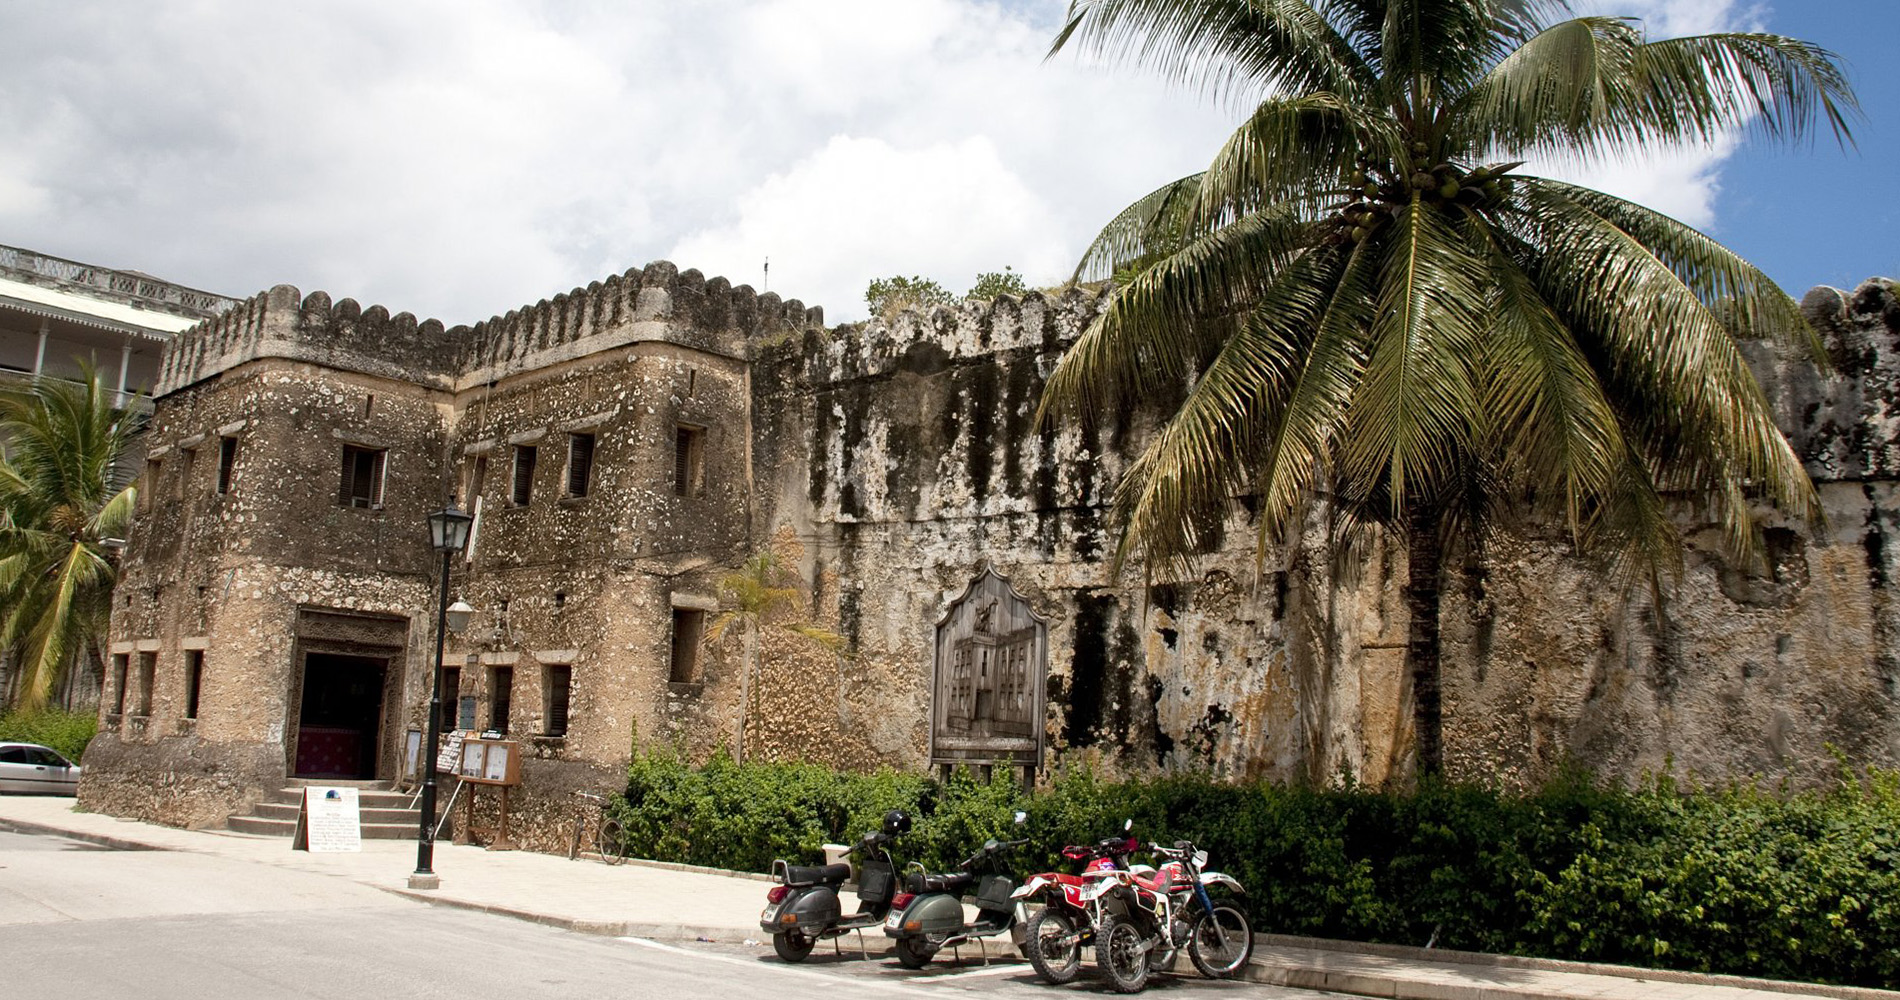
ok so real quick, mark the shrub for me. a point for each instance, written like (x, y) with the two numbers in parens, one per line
(1733, 880)
(66, 732)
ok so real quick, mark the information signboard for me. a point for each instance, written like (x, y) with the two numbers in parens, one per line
(330, 820)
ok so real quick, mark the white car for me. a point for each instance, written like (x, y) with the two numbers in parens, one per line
(29, 767)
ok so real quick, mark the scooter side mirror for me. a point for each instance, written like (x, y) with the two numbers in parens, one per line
(1128, 824)
(1021, 817)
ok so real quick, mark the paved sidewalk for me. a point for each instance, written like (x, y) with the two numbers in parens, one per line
(677, 903)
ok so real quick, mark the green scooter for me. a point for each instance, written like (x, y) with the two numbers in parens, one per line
(928, 916)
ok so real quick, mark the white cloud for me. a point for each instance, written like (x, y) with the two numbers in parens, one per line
(458, 158)
(944, 210)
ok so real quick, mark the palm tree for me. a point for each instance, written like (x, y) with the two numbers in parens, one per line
(1364, 298)
(62, 496)
(758, 596)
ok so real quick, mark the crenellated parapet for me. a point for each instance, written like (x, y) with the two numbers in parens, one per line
(283, 323)
(920, 339)
(657, 303)
(1844, 423)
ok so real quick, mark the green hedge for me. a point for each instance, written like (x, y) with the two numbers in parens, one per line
(1735, 880)
(67, 732)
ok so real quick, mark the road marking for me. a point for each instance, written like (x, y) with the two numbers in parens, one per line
(994, 970)
(778, 967)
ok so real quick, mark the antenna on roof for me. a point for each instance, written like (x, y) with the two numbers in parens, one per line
(765, 283)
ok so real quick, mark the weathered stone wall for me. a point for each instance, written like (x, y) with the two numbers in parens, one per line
(902, 457)
(889, 463)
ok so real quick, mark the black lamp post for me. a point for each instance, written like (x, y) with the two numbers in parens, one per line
(448, 534)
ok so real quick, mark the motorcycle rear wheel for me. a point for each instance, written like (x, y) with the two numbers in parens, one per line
(1221, 942)
(1052, 946)
(1118, 953)
(914, 953)
(792, 946)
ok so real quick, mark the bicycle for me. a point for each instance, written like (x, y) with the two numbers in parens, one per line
(610, 844)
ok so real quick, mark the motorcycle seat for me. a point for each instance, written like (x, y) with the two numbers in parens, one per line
(947, 883)
(817, 875)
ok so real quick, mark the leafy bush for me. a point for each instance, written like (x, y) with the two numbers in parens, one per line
(66, 732)
(1733, 880)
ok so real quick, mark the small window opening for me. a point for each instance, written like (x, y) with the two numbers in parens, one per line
(362, 484)
(194, 678)
(560, 599)
(692, 381)
(451, 694)
(688, 626)
(524, 474)
(580, 463)
(369, 403)
(501, 690)
(556, 681)
(689, 462)
(227, 462)
(120, 665)
(148, 673)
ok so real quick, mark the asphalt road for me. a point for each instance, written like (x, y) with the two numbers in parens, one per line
(78, 920)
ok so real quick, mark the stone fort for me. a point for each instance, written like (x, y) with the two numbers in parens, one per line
(625, 445)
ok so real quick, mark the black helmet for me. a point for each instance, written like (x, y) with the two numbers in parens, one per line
(895, 822)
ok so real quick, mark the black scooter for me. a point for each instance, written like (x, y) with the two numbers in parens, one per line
(928, 916)
(803, 907)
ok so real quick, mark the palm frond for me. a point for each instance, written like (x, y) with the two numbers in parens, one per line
(1164, 325)
(1414, 410)
(1594, 88)
(1241, 49)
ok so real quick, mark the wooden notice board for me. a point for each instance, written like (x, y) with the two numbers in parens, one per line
(490, 762)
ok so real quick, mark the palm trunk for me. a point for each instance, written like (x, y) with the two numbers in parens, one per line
(1424, 569)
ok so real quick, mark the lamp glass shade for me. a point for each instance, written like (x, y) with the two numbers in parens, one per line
(448, 529)
(457, 615)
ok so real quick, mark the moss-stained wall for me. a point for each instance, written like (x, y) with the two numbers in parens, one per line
(888, 463)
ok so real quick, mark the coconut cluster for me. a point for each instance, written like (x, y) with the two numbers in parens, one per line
(1379, 191)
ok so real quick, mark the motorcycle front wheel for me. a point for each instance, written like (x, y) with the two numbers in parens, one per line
(1221, 942)
(914, 953)
(792, 946)
(1118, 952)
(1051, 944)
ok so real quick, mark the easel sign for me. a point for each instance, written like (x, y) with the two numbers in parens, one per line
(330, 820)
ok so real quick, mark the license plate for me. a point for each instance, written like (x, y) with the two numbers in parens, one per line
(894, 921)
(770, 916)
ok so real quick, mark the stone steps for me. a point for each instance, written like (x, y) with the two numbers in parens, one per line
(386, 814)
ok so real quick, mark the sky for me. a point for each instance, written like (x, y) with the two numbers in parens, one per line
(460, 158)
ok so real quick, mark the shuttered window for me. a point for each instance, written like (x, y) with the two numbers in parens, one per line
(501, 692)
(362, 484)
(556, 682)
(580, 463)
(524, 475)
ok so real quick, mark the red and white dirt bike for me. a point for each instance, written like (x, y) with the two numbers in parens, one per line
(1054, 936)
(1145, 917)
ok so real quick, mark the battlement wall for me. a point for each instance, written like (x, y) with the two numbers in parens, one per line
(655, 303)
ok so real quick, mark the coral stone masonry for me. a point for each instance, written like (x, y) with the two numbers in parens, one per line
(626, 445)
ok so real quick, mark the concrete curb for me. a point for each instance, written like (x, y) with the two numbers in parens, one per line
(1408, 953)
(23, 826)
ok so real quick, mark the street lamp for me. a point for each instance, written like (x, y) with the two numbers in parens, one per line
(448, 534)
